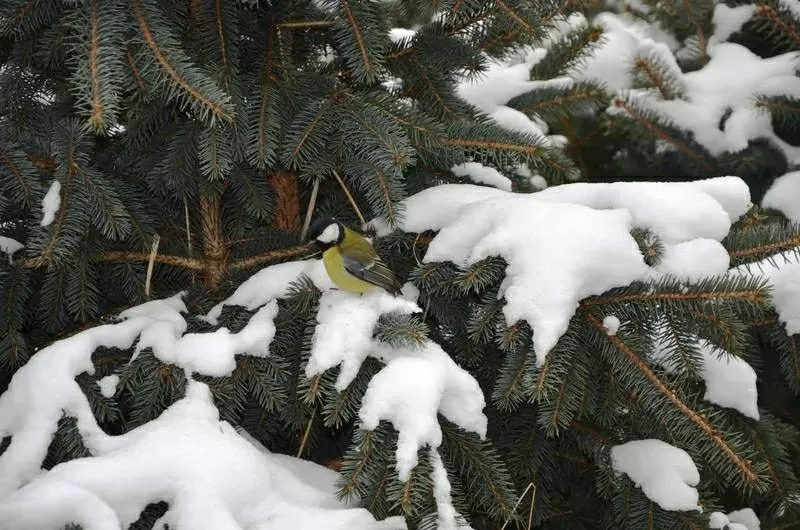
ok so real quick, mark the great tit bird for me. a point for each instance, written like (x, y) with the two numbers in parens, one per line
(350, 259)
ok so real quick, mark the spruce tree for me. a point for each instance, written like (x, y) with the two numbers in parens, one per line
(193, 142)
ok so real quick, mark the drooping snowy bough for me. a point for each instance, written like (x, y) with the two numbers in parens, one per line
(561, 245)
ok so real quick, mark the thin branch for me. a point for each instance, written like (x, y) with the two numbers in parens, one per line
(144, 257)
(305, 24)
(188, 227)
(274, 255)
(531, 486)
(306, 434)
(350, 198)
(744, 466)
(151, 264)
(312, 203)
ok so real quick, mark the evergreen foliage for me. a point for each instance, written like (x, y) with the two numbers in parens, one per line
(192, 142)
(640, 144)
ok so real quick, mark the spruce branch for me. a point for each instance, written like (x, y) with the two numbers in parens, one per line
(366, 67)
(194, 264)
(747, 246)
(653, 71)
(753, 294)
(651, 126)
(775, 21)
(96, 58)
(26, 187)
(262, 136)
(178, 69)
(97, 115)
(745, 468)
(517, 17)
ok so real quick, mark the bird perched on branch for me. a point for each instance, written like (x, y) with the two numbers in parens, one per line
(351, 260)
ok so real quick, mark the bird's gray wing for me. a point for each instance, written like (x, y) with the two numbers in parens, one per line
(373, 271)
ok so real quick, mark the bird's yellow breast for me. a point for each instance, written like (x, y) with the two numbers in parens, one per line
(345, 281)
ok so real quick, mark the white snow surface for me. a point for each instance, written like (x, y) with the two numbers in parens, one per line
(731, 81)
(51, 203)
(611, 323)
(108, 385)
(676, 211)
(744, 519)
(502, 81)
(568, 242)
(693, 260)
(481, 174)
(446, 519)
(411, 389)
(666, 474)
(210, 475)
(271, 283)
(730, 381)
(782, 273)
(212, 353)
(343, 336)
(9, 247)
(784, 196)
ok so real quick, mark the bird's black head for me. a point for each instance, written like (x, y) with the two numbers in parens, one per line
(326, 232)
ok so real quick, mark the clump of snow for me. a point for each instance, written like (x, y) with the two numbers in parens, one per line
(51, 203)
(729, 82)
(610, 63)
(410, 292)
(108, 385)
(345, 325)
(693, 260)
(729, 20)
(782, 273)
(744, 519)
(213, 353)
(538, 182)
(441, 492)
(31, 416)
(9, 247)
(401, 34)
(783, 196)
(271, 283)
(611, 323)
(209, 474)
(569, 242)
(727, 86)
(676, 211)
(481, 174)
(587, 252)
(730, 381)
(410, 390)
(502, 81)
(413, 387)
(666, 474)
(436, 207)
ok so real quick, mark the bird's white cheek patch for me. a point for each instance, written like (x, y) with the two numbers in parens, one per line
(329, 235)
